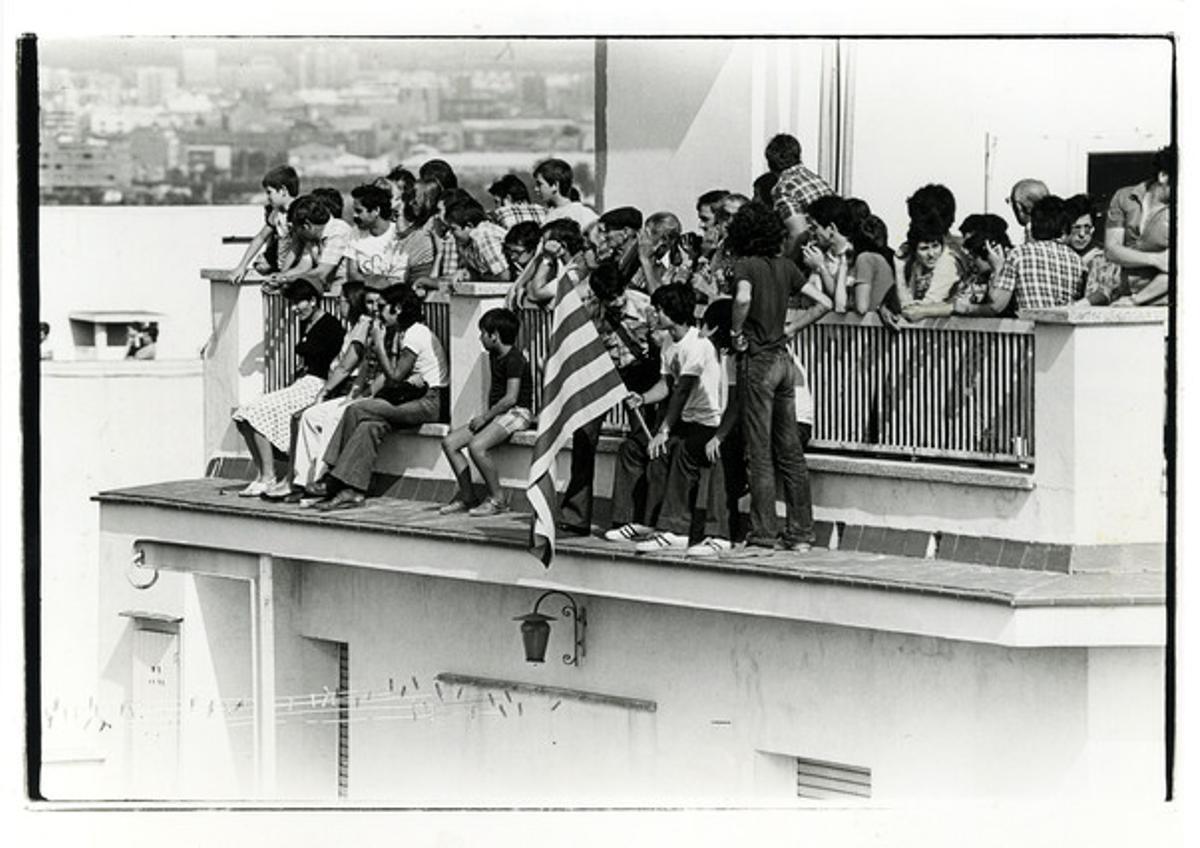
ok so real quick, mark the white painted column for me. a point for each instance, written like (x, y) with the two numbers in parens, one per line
(263, 594)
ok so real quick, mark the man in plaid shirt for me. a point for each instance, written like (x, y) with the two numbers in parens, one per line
(512, 203)
(797, 186)
(480, 243)
(1042, 273)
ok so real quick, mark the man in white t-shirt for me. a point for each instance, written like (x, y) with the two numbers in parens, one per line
(693, 379)
(372, 249)
(552, 180)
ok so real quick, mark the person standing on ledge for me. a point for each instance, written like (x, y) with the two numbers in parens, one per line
(796, 187)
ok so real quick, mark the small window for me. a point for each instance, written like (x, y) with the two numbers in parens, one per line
(822, 780)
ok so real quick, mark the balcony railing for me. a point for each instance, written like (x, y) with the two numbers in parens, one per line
(281, 331)
(958, 389)
(950, 389)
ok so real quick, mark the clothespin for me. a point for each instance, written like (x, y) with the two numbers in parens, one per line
(238, 705)
(500, 707)
(554, 706)
(492, 698)
(391, 685)
(416, 685)
(458, 697)
(438, 688)
(507, 696)
(104, 725)
(520, 709)
(403, 689)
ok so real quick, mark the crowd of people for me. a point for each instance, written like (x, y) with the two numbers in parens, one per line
(697, 324)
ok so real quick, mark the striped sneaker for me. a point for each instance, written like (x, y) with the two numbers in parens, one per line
(713, 546)
(628, 533)
(662, 542)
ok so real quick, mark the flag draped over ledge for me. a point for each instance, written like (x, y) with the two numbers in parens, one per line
(579, 384)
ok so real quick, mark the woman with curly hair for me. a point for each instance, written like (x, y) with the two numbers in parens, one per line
(764, 283)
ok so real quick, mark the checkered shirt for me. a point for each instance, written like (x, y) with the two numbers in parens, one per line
(514, 213)
(797, 187)
(447, 260)
(484, 254)
(1041, 275)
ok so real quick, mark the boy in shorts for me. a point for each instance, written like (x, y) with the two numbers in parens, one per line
(510, 400)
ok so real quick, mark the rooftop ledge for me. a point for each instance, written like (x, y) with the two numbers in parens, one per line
(928, 597)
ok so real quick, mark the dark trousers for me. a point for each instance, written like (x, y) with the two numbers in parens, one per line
(576, 506)
(773, 447)
(355, 444)
(684, 500)
(638, 482)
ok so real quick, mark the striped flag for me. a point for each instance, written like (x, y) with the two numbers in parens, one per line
(579, 384)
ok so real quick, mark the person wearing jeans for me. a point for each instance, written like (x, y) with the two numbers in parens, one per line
(764, 283)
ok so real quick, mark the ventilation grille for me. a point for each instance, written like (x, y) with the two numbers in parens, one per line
(822, 780)
(343, 702)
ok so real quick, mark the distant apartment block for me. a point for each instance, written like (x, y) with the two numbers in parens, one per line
(93, 166)
(155, 85)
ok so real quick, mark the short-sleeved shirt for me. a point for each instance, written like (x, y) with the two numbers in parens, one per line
(635, 313)
(320, 342)
(377, 255)
(417, 244)
(695, 356)
(773, 281)
(506, 367)
(576, 211)
(1125, 213)
(430, 364)
(512, 214)
(872, 269)
(1041, 275)
(334, 245)
(484, 253)
(796, 189)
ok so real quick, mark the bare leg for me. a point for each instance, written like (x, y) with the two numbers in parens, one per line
(452, 447)
(249, 435)
(486, 439)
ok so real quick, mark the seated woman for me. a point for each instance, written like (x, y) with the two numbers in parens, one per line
(560, 254)
(265, 423)
(315, 425)
(1137, 237)
(409, 390)
(986, 246)
(931, 274)
(871, 274)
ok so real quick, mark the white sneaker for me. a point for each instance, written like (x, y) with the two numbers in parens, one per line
(713, 546)
(662, 542)
(628, 533)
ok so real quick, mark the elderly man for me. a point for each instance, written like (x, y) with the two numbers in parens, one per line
(1024, 194)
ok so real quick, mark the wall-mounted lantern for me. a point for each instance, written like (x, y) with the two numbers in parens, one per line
(535, 630)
